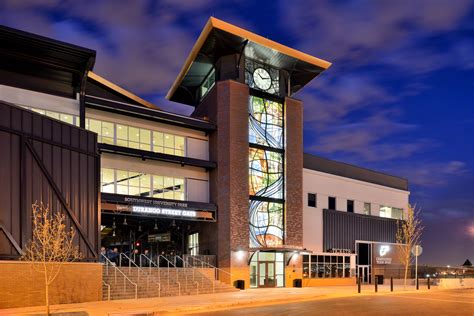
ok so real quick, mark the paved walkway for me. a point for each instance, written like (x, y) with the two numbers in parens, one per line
(211, 302)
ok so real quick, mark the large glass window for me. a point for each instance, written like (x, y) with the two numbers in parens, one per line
(331, 203)
(141, 184)
(266, 180)
(391, 212)
(137, 138)
(327, 266)
(207, 83)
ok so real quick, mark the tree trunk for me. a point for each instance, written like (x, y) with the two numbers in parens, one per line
(46, 291)
(406, 275)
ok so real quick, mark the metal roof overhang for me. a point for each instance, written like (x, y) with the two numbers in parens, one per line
(43, 64)
(220, 38)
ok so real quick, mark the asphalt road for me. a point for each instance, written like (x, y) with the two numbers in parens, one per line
(452, 302)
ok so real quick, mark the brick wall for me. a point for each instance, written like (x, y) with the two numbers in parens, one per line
(294, 172)
(21, 285)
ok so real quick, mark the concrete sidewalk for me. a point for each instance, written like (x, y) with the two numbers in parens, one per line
(212, 302)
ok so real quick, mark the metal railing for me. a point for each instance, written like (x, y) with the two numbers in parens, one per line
(125, 278)
(108, 289)
(139, 269)
(216, 270)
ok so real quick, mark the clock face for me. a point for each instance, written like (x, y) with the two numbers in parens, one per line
(262, 79)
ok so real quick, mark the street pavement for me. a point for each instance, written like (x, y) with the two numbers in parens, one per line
(326, 299)
(449, 302)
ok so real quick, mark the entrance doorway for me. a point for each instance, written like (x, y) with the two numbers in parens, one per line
(267, 269)
(266, 274)
(364, 274)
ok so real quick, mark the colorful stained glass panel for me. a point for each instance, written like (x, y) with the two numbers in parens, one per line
(265, 122)
(266, 224)
(265, 173)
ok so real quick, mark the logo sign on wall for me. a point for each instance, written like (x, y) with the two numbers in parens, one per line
(384, 255)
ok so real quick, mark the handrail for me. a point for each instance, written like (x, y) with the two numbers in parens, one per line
(108, 289)
(121, 272)
(168, 268)
(148, 276)
(197, 287)
(211, 266)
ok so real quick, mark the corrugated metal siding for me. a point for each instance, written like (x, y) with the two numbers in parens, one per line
(342, 229)
(46, 160)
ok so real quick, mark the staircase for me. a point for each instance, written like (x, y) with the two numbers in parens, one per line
(158, 282)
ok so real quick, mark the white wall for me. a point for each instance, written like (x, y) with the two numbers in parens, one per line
(325, 185)
(197, 179)
(39, 100)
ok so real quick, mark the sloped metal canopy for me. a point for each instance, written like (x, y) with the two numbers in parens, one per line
(220, 38)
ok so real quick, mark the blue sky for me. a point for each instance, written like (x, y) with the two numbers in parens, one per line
(398, 98)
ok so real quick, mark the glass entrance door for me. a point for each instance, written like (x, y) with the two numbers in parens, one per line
(364, 274)
(266, 274)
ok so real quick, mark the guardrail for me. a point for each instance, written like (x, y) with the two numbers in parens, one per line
(108, 289)
(139, 269)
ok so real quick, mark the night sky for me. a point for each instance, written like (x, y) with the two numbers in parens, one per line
(398, 98)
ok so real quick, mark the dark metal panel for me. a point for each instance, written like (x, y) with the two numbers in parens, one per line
(36, 167)
(342, 229)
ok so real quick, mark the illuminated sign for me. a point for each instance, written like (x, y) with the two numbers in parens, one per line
(163, 211)
(382, 257)
(384, 249)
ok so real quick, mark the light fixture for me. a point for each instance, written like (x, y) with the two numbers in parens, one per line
(139, 226)
(113, 224)
(173, 223)
(113, 233)
(156, 225)
(125, 221)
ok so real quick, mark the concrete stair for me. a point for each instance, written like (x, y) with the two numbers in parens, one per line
(149, 281)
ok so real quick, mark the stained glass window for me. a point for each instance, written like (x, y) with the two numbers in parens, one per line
(265, 122)
(265, 173)
(266, 224)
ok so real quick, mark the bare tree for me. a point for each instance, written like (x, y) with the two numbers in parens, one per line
(51, 245)
(408, 235)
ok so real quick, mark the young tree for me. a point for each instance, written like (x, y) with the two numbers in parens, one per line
(51, 245)
(408, 235)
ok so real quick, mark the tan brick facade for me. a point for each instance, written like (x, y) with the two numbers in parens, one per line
(22, 286)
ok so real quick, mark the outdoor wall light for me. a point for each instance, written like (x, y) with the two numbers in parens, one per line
(240, 254)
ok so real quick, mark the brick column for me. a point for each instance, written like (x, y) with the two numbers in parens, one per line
(227, 106)
(294, 172)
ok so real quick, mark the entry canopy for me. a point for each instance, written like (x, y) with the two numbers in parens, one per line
(220, 38)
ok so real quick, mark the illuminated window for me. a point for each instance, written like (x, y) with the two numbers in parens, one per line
(137, 138)
(326, 266)
(367, 208)
(193, 244)
(141, 184)
(266, 179)
(391, 212)
(63, 117)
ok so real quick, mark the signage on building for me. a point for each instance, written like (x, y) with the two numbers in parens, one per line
(159, 237)
(159, 203)
(383, 255)
(163, 211)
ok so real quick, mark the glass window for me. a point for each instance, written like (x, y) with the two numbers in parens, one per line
(367, 207)
(350, 206)
(95, 126)
(108, 134)
(193, 244)
(158, 187)
(331, 203)
(311, 199)
(391, 212)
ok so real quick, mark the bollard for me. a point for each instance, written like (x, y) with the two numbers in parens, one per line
(391, 284)
(358, 284)
(417, 283)
(429, 283)
(376, 283)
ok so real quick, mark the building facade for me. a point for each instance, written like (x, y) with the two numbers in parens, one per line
(228, 185)
(349, 213)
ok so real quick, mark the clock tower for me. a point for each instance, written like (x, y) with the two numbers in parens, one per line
(244, 83)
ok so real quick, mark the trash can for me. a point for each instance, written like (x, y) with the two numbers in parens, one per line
(240, 284)
(297, 283)
(379, 279)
